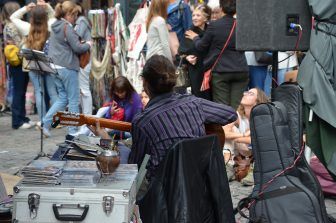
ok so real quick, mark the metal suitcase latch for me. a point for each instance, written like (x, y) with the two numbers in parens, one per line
(108, 202)
(33, 203)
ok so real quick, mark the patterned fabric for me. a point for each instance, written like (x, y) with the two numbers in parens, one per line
(11, 34)
(97, 19)
(170, 118)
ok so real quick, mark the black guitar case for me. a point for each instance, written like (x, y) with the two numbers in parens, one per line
(286, 198)
(290, 95)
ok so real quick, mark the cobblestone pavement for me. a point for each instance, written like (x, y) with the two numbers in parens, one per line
(19, 147)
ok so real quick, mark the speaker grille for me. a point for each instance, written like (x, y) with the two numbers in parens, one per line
(262, 25)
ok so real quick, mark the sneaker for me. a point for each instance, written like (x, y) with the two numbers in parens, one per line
(31, 123)
(248, 180)
(38, 126)
(46, 132)
(25, 126)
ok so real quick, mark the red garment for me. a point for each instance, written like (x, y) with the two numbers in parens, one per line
(119, 115)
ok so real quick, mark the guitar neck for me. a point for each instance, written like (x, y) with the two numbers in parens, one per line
(107, 123)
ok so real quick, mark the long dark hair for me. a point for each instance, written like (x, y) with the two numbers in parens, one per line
(228, 7)
(121, 84)
(159, 75)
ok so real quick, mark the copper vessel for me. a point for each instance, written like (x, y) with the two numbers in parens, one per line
(108, 161)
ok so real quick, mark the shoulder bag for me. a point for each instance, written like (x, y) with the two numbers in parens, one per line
(183, 79)
(11, 52)
(84, 58)
(207, 75)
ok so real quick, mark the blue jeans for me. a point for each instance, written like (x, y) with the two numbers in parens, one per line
(68, 94)
(20, 82)
(50, 88)
(257, 76)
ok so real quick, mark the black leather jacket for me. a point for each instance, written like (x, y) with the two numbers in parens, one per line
(190, 186)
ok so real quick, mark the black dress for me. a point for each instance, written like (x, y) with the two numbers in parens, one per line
(196, 71)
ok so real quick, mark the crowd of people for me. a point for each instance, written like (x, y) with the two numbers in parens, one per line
(159, 116)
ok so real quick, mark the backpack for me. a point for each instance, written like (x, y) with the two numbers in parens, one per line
(11, 52)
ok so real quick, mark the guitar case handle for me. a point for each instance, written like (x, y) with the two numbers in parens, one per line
(70, 217)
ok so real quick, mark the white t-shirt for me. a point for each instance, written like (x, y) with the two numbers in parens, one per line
(288, 63)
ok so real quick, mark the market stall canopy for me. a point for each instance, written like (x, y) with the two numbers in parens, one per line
(317, 77)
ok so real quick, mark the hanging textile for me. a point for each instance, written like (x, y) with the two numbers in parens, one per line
(97, 19)
(138, 33)
(111, 62)
(99, 68)
(101, 72)
(119, 38)
(134, 69)
(138, 38)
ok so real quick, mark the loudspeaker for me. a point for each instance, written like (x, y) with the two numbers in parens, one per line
(265, 25)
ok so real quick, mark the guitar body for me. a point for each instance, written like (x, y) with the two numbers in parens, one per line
(216, 130)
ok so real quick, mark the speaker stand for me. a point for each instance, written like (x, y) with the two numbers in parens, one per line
(275, 66)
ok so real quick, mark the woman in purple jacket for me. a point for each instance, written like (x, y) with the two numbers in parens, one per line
(123, 105)
(123, 96)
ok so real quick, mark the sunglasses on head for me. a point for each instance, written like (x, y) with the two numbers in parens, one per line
(250, 93)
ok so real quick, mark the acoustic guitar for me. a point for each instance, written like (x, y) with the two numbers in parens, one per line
(74, 119)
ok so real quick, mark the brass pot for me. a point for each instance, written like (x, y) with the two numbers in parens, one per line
(108, 161)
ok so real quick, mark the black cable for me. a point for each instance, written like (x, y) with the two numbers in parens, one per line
(286, 58)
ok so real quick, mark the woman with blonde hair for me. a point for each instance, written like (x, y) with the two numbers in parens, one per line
(64, 48)
(200, 18)
(18, 78)
(229, 76)
(158, 36)
(37, 34)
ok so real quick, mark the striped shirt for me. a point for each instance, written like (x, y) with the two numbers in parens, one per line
(169, 118)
